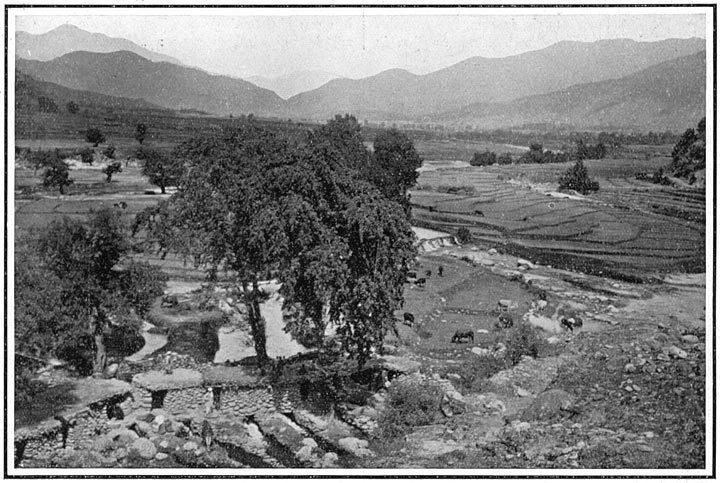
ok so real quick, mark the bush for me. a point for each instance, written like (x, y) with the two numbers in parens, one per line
(94, 136)
(111, 169)
(410, 404)
(463, 235)
(577, 178)
(523, 340)
(87, 156)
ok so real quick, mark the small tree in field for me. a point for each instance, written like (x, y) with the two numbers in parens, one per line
(111, 169)
(87, 156)
(57, 175)
(161, 170)
(140, 132)
(72, 107)
(109, 152)
(577, 178)
(94, 136)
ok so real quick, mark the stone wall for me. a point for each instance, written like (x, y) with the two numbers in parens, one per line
(185, 400)
(241, 402)
(84, 426)
(43, 441)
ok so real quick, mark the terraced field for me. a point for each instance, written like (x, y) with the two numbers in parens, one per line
(630, 229)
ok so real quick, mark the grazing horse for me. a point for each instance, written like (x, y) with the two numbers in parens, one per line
(408, 319)
(463, 336)
(572, 323)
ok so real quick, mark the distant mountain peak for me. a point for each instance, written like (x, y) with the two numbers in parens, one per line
(68, 38)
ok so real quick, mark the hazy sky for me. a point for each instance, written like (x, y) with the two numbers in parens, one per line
(360, 42)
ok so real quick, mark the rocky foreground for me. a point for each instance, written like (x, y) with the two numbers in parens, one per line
(627, 390)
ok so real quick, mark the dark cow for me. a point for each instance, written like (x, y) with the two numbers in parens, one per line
(420, 282)
(408, 319)
(571, 323)
(505, 321)
(440, 271)
(463, 336)
(169, 300)
(428, 273)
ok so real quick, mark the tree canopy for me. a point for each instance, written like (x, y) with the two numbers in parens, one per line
(84, 259)
(260, 206)
(162, 170)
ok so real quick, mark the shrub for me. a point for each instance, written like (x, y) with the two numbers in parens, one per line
(463, 235)
(523, 340)
(109, 152)
(87, 156)
(94, 136)
(577, 178)
(476, 371)
(410, 403)
(487, 158)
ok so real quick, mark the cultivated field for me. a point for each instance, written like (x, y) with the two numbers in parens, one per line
(629, 228)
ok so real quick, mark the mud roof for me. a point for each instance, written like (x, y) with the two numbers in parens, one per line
(160, 381)
(231, 376)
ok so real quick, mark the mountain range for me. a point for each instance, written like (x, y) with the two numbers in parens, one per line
(68, 38)
(127, 74)
(288, 85)
(620, 83)
(669, 95)
(398, 93)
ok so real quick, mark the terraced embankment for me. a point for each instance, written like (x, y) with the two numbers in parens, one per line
(629, 229)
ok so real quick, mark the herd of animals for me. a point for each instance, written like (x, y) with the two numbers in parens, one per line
(505, 319)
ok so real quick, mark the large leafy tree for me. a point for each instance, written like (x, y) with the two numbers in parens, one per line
(162, 170)
(100, 292)
(393, 166)
(260, 207)
(688, 155)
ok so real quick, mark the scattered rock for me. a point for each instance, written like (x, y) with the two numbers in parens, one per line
(111, 371)
(161, 456)
(526, 263)
(548, 404)
(676, 352)
(690, 339)
(492, 251)
(142, 428)
(630, 368)
(645, 448)
(190, 446)
(356, 447)
(330, 460)
(144, 448)
(522, 392)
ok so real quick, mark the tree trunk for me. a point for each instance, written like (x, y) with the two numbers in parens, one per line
(162, 189)
(257, 323)
(100, 354)
(99, 337)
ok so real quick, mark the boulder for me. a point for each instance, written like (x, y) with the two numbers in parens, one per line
(143, 429)
(675, 352)
(330, 460)
(190, 446)
(526, 263)
(161, 456)
(111, 371)
(548, 404)
(356, 447)
(144, 448)
(690, 339)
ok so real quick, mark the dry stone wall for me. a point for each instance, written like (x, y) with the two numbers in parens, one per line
(241, 402)
(43, 441)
